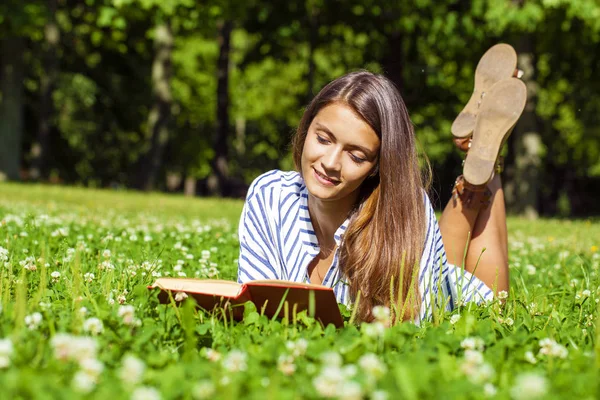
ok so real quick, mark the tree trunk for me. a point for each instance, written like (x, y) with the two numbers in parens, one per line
(41, 149)
(158, 119)
(392, 62)
(523, 175)
(313, 38)
(11, 106)
(218, 181)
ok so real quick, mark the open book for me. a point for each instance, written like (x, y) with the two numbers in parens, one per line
(267, 295)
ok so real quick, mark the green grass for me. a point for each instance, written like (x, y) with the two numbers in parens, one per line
(123, 238)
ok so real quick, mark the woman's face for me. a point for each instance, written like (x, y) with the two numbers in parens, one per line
(340, 151)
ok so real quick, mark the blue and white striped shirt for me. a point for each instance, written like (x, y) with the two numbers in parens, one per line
(277, 241)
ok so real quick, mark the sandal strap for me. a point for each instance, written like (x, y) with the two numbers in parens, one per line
(471, 196)
(463, 144)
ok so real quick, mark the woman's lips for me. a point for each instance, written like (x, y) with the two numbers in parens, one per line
(323, 179)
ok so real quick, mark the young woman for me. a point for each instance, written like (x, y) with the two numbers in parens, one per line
(356, 217)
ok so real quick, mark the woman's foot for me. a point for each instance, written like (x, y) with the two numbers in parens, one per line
(499, 112)
(498, 63)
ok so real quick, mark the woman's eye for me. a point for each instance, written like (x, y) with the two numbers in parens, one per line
(356, 159)
(322, 140)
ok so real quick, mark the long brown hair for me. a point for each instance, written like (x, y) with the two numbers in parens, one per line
(382, 247)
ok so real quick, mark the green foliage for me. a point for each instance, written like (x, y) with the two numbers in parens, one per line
(281, 55)
(546, 326)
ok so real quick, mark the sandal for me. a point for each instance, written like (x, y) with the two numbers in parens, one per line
(471, 196)
(498, 114)
(498, 63)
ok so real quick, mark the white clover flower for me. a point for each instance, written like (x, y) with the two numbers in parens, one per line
(83, 382)
(180, 296)
(373, 330)
(6, 352)
(551, 348)
(381, 314)
(328, 383)
(586, 293)
(473, 343)
(297, 348)
(33, 321)
(489, 390)
(509, 321)
(106, 253)
(212, 272)
(529, 386)
(78, 348)
(61, 343)
(372, 365)
(127, 313)
(205, 254)
(235, 361)
(106, 265)
(55, 275)
(93, 326)
(3, 254)
(121, 299)
(574, 282)
(529, 357)
(83, 311)
(212, 355)
(379, 395)
(28, 264)
(473, 357)
(83, 348)
(480, 374)
(503, 294)
(89, 276)
(454, 319)
(145, 393)
(203, 390)
(92, 367)
(349, 370)
(331, 358)
(132, 370)
(531, 270)
(350, 390)
(285, 364)
(214, 249)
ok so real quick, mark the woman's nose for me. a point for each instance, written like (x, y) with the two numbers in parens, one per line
(331, 159)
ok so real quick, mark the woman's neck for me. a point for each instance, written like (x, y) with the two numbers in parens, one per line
(327, 216)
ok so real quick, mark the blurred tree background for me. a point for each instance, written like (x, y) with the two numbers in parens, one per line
(202, 96)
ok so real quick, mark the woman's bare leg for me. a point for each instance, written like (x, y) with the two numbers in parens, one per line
(480, 229)
(488, 251)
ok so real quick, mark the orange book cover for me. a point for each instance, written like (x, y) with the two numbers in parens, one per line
(267, 295)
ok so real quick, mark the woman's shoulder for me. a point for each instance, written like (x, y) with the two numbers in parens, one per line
(276, 180)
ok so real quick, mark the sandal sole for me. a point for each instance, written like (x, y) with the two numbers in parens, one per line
(499, 62)
(499, 112)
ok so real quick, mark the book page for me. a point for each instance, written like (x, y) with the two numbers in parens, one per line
(286, 284)
(208, 286)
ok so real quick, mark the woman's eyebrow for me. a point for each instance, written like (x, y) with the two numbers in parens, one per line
(324, 128)
(353, 146)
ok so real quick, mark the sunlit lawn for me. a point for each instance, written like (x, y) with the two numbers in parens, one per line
(77, 319)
